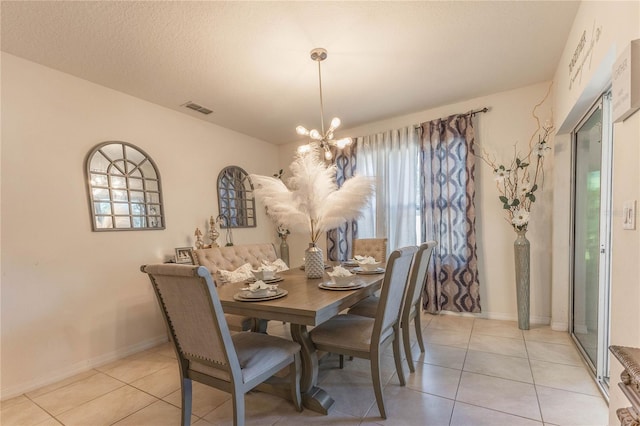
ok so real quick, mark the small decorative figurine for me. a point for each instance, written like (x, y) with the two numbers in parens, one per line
(199, 242)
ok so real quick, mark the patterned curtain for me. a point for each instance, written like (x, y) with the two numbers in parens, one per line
(448, 166)
(340, 240)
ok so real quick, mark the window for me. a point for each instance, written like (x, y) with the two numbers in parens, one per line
(235, 199)
(124, 188)
(392, 158)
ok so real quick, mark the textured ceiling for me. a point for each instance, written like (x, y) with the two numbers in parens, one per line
(249, 61)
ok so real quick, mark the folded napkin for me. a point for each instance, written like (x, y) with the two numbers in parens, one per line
(364, 259)
(240, 274)
(277, 265)
(265, 267)
(259, 286)
(339, 271)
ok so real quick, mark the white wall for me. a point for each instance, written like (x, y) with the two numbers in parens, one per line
(73, 298)
(618, 24)
(509, 121)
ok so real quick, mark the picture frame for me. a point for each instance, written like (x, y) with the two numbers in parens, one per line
(184, 255)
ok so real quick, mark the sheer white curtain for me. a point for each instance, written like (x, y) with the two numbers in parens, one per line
(392, 159)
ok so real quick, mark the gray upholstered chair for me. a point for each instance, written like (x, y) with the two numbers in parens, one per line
(367, 338)
(207, 351)
(412, 304)
(374, 247)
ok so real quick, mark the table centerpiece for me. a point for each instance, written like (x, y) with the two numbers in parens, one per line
(312, 202)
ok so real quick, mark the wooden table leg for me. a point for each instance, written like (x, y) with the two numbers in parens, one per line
(313, 397)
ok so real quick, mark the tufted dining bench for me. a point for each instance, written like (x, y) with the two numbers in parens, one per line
(230, 258)
(374, 247)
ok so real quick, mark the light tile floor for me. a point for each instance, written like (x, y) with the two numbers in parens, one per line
(474, 372)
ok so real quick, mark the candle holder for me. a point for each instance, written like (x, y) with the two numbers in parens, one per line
(213, 232)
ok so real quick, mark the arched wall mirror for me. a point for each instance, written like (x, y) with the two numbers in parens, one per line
(235, 199)
(124, 188)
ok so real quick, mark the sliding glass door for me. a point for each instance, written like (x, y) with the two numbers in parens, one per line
(591, 237)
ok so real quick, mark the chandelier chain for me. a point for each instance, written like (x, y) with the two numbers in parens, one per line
(321, 102)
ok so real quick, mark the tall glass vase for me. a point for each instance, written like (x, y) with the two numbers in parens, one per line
(522, 252)
(314, 261)
(284, 250)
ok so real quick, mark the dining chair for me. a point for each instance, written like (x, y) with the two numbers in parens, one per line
(230, 258)
(412, 303)
(207, 352)
(374, 247)
(235, 322)
(367, 338)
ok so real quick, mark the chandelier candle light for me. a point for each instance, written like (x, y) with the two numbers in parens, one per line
(324, 139)
(517, 182)
(312, 202)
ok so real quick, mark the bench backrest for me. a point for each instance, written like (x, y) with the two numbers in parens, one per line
(230, 258)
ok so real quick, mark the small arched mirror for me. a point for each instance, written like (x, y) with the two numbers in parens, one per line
(235, 199)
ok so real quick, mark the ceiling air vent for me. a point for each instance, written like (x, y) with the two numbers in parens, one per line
(198, 108)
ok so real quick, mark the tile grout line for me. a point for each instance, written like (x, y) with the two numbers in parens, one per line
(64, 386)
(466, 352)
(535, 387)
(76, 406)
(45, 410)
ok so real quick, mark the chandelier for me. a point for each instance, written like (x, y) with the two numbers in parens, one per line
(322, 137)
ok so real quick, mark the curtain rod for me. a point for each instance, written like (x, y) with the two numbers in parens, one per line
(477, 111)
(471, 113)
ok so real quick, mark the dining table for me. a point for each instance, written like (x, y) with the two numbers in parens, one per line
(305, 304)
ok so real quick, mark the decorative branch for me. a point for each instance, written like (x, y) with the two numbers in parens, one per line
(516, 182)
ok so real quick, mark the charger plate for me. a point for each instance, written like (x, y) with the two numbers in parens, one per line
(247, 296)
(273, 280)
(329, 285)
(359, 270)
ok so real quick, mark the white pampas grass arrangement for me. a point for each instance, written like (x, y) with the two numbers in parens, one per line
(312, 201)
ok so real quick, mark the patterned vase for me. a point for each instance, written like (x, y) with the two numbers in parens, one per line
(314, 261)
(521, 248)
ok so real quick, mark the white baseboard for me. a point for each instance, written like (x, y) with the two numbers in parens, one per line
(511, 317)
(460, 314)
(559, 326)
(79, 367)
(499, 316)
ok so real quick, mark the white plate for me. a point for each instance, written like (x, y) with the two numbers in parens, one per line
(359, 270)
(329, 285)
(247, 296)
(276, 279)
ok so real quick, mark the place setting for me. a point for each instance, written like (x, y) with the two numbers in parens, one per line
(341, 279)
(367, 265)
(260, 291)
(265, 275)
(350, 263)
